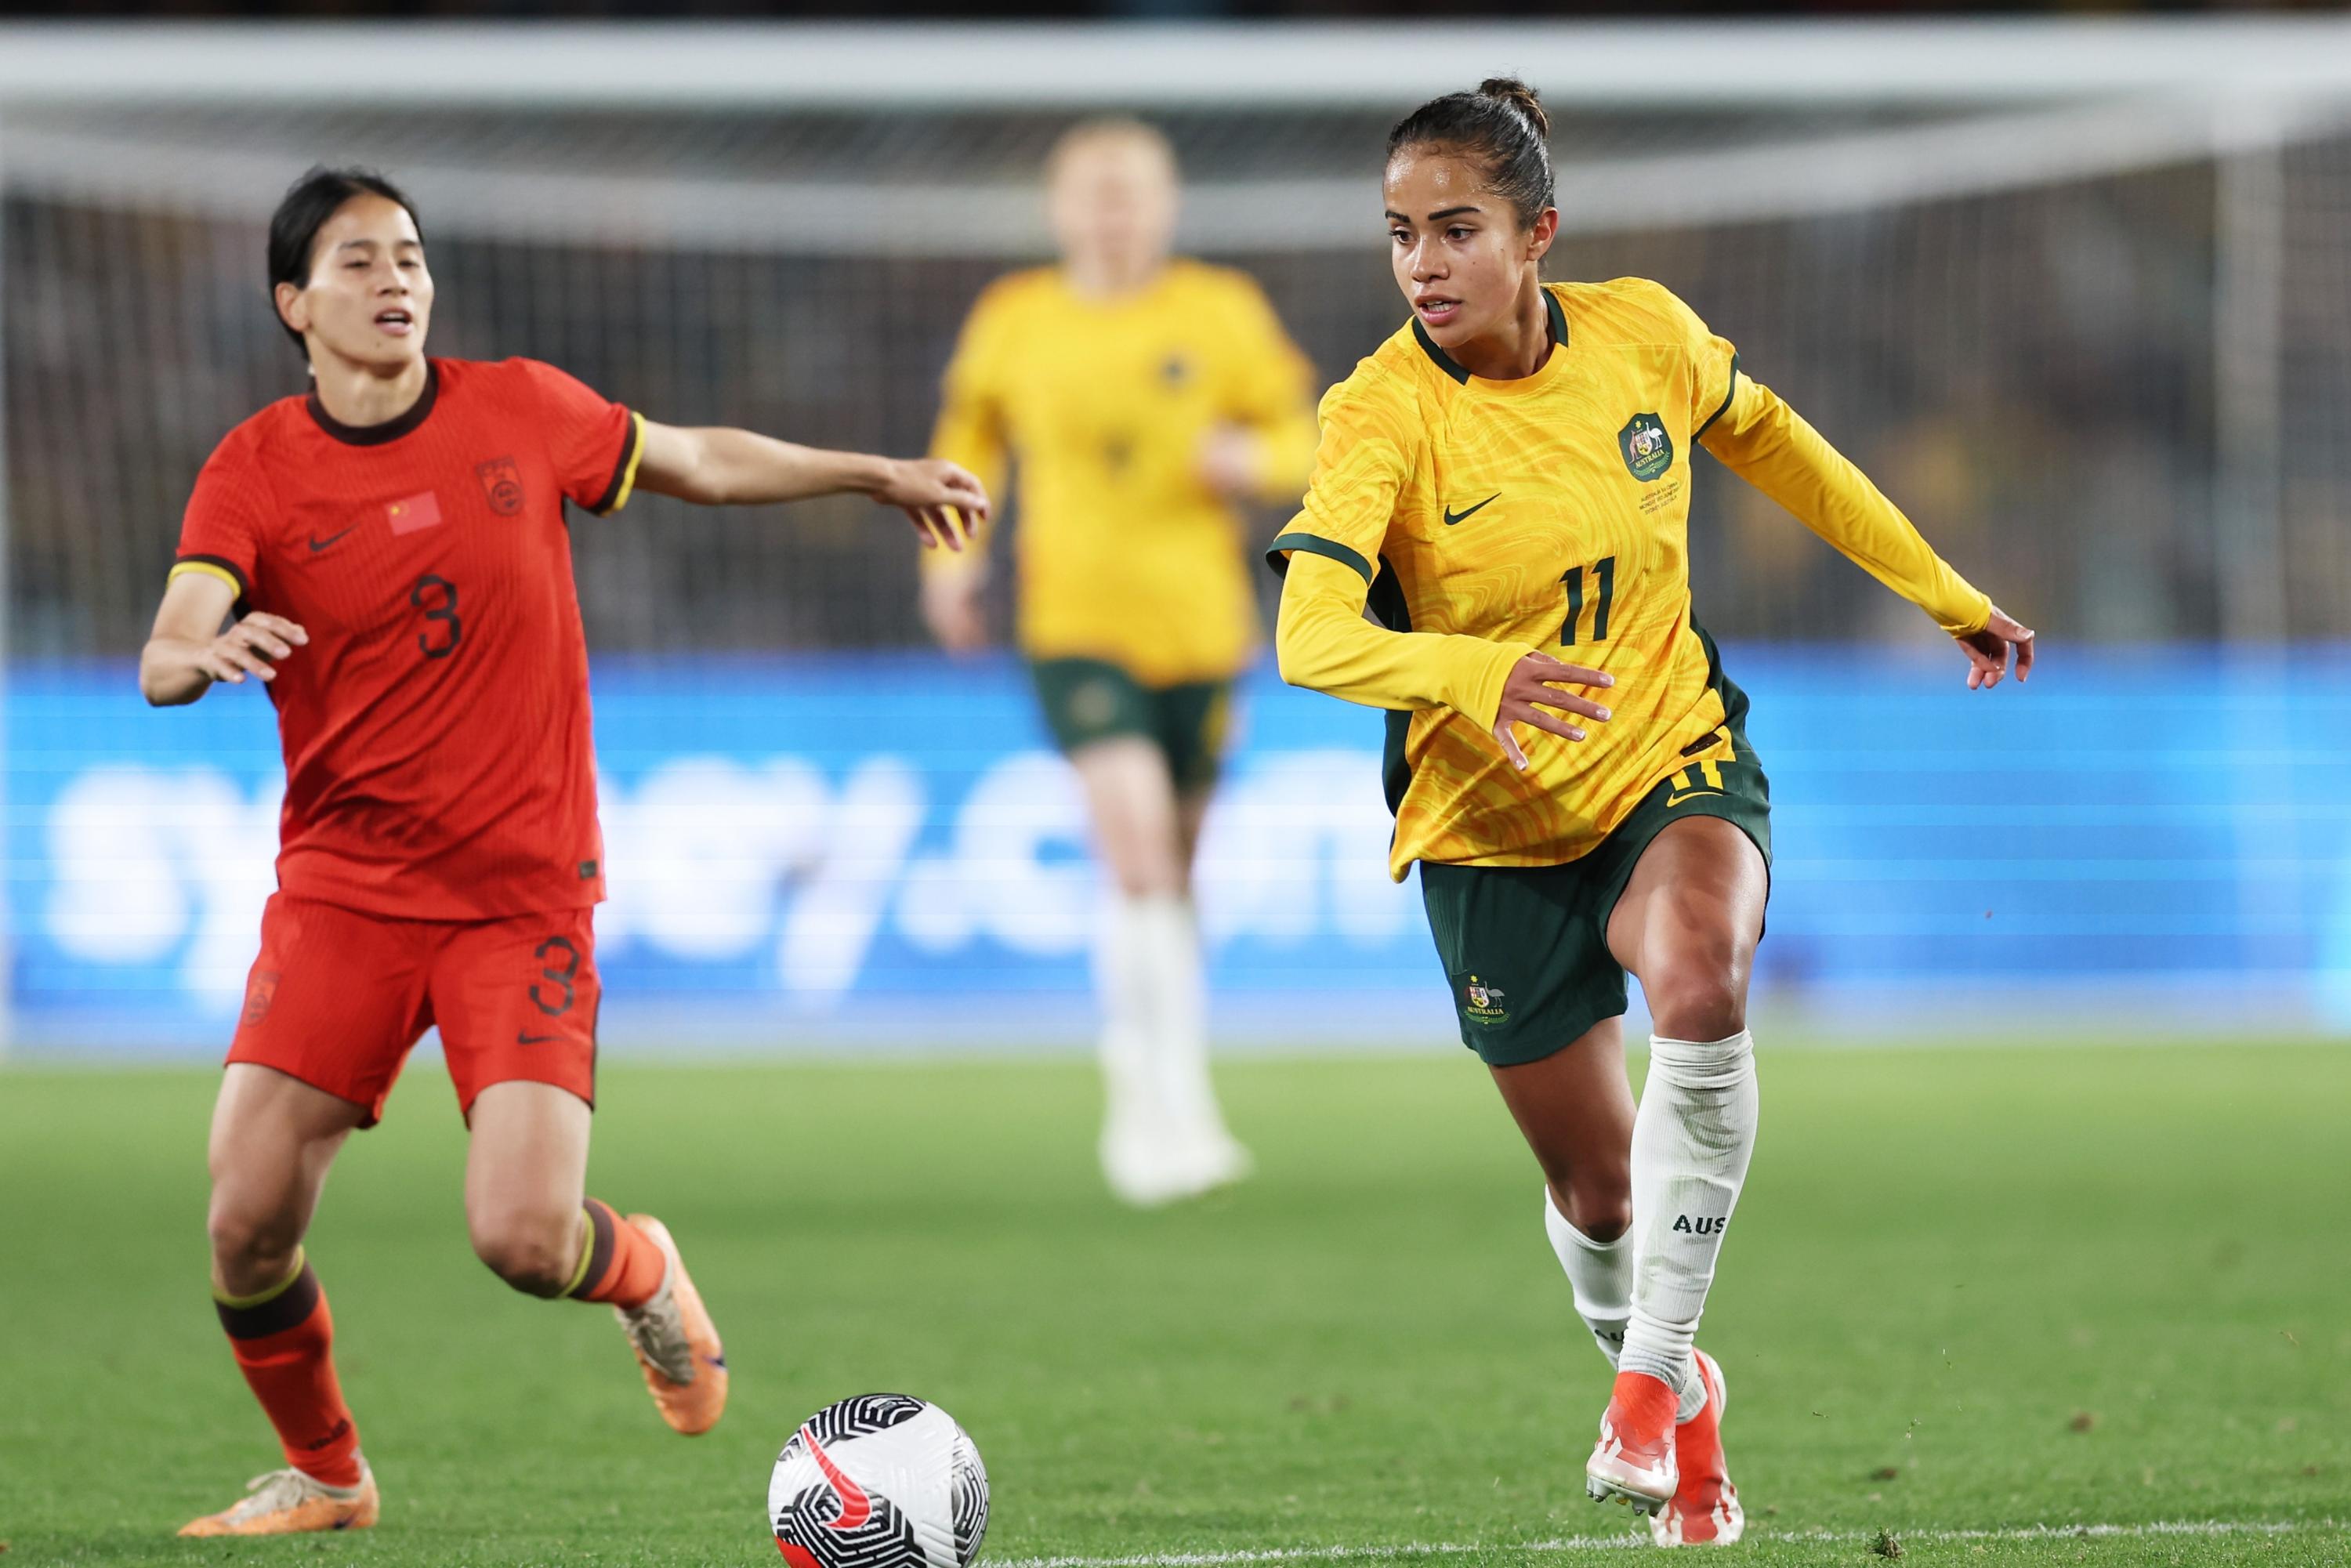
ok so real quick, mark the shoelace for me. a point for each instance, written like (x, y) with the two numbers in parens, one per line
(658, 1331)
(277, 1489)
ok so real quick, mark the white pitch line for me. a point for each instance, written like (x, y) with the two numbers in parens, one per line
(1594, 1542)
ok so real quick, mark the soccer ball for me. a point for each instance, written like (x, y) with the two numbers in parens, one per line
(881, 1481)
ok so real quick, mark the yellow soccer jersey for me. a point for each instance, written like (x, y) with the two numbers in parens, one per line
(1488, 519)
(1124, 555)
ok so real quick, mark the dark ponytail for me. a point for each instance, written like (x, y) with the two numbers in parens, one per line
(1503, 126)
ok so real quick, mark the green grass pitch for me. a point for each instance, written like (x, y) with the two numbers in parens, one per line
(1968, 1293)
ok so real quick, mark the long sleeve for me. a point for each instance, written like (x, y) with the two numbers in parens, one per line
(970, 429)
(1322, 643)
(1326, 554)
(1771, 446)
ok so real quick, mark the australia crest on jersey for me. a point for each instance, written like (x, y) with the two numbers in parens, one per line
(1648, 449)
(502, 483)
(1483, 1002)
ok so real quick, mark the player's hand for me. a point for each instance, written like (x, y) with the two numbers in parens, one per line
(252, 646)
(947, 504)
(1228, 461)
(1533, 691)
(1986, 650)
(951, 607)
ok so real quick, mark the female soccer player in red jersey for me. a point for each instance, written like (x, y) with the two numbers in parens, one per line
(1507, 475)
(393, 548)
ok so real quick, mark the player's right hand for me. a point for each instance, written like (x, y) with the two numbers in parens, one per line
(1533, 691)
(252, 646)
(951, 607)
(946, 503)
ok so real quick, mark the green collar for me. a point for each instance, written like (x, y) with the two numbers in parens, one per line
(1446, 362)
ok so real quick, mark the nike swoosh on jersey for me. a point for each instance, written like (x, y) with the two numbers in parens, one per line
(1452, 516)
(523, 1037)
(1691, 795)
(318, 544)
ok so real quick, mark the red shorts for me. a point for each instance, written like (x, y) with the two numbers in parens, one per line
(338, 997)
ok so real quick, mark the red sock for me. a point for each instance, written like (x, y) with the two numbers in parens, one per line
(283, 1344)
(622, 1265)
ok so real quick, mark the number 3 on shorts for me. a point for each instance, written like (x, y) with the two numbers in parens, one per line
(561, 957)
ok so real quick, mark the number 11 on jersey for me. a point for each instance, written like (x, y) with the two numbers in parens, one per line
(1604, 575)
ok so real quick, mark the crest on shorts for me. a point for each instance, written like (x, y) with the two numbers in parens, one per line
(260, 995)
(1483, 1002)
(1648, 449)
(502, 483)
(1093, 705)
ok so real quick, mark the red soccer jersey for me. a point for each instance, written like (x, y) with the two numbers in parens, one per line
(438, 760)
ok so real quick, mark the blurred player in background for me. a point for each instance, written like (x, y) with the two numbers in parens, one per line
(1144, 399)
(395, 549)
(1510, 475)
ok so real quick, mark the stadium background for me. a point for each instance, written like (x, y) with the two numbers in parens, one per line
(2077, 294)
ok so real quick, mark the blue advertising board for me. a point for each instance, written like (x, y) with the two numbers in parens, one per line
(859, 848)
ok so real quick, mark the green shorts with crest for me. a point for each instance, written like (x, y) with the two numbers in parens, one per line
(1086, 700)
(1525, 948)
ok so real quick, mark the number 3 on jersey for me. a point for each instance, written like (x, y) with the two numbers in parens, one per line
(437, 597)
(1604, 573)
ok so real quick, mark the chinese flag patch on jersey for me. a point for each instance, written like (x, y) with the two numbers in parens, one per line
(418, 512)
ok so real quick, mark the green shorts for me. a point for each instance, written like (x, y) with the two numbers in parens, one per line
(1086, 700)
(1525, 948)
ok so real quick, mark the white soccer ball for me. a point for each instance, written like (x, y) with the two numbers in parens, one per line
(881, 1481)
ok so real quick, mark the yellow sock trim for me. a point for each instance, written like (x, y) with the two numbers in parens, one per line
(587, 1251)
(239, 1303)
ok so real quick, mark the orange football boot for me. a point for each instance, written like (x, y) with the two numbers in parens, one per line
(287, 1503)
(1633, 1460)
(676, 1344)
(1704, 1506)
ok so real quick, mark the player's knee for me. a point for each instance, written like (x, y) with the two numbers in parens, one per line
(1142, 860)
(1147, 877)
(536, 1256)
(250, 1244)
(1699, 992)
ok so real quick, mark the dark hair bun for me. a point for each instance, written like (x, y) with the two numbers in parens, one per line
(1519, 96)
(1503, 127)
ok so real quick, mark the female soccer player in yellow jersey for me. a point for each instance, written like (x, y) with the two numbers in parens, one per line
(1144, 397)
(1508, 479)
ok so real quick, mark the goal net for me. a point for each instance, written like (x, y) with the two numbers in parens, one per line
(2079, 297)
(2094, 337)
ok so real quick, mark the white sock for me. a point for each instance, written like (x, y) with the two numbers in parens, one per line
(1180, 1040)
(1599, 1272)
(1125, 985)
(1154, 1047)
(1691, 1141)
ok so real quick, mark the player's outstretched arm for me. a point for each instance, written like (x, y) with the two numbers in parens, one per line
(187, 651)
(718, 466)
(1769, 444)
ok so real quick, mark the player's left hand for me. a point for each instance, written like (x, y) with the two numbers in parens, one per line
(1986, 650)
(946, 503)
(1228, 461)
